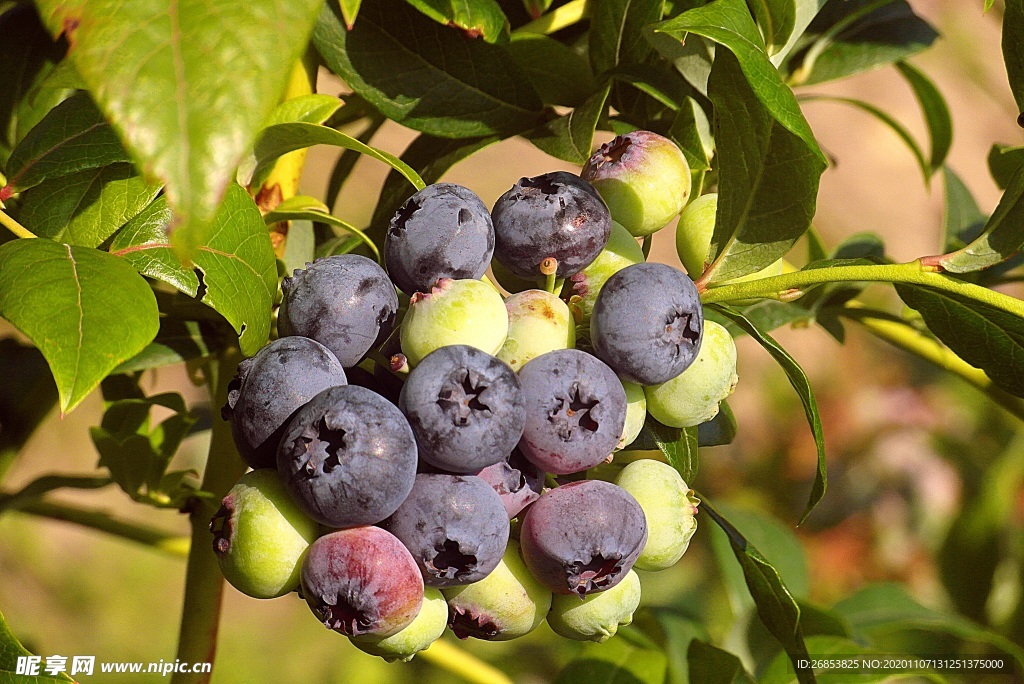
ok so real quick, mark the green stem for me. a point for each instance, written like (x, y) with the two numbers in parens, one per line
(47, 483)
(100, 520)
(790, 286)
(204, 584)
(557, 19)
(901, 334)
(461, 664)
(645, 246)
(10, 224)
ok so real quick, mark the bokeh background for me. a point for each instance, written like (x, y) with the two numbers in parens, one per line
(907, 445)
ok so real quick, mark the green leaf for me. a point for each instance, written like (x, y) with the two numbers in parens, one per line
(304, 208)
(235, 270)
(805, 11)
(300, 247)
(476, 18)
(27, 394)
(985, 337)
(1002, 237)
(571, 137)
(1003, 163)
(616, 661)
(981, 532)
(177, 341)
(347, 161)
(775, 605)
(711, 665)
(10, 650)
(879, 610)
(768, 178)
(883, 116)
(936, 113)
(780, 670)
(617, 32)
(782, 550)
(776, 20)
(427, 76)
(1013, 49)
(45, 484)
(87, 207)
(29, 56)
(137, 453)
(558, 74)
(728, 22)
(187, 94)
(663, 84)
(719, 430)
(851, 36)
(962, 220)
(679, 445)
(798, 379)
(281, 139)
(691, 131)
(349, 11)
(85, 310)
(72, 137)
(314, 108)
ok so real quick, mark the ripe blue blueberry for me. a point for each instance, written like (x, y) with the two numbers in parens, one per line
(346, 302)
(647, 323)
(575, 411)
(556, 215)
(454, 526)
(348, 457)
(443, 231)
(465, 408)
(517, 481)
(361, 581)
(270, 387)
(583, 537)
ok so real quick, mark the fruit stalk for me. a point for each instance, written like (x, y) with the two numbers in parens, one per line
(904, 336)
(789, 286)
(204, 583)
(470, 668)
(10, 224)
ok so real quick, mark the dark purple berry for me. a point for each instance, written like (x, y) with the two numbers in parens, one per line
(443, 231)
(345, 302)
(553, 216)
(361, 581)
(517, 481)
(575, 411)
(348, 457)
(647, 323)
(454, 526)
(465, 408)
(583, 537)
(270, 387)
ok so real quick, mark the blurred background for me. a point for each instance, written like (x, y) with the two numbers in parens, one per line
(907, 445)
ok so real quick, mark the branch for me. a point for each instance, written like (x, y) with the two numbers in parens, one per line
(204, 583)
(790, 286)
(453, 659)
(901, 334)
(15, 227)
(99, 520)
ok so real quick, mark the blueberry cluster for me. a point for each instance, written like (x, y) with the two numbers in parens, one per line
(456, 482)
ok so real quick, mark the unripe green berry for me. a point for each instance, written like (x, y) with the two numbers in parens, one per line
(669, 506)
(636, 412)
(598, 616)
(693, 241)
(467, 312)
(425, 629)
(692, 397)
(643, 178)
(538, 323)
(260, 536)
(621, 251)
(507, 604)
